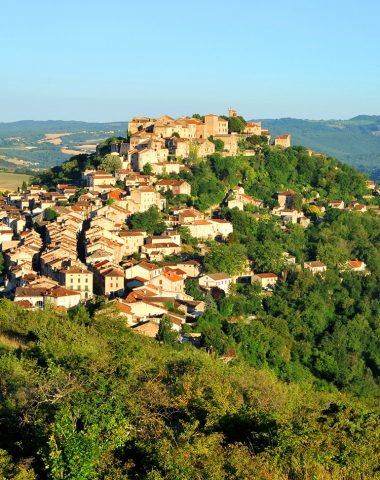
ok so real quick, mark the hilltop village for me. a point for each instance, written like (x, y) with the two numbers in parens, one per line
(131, 224)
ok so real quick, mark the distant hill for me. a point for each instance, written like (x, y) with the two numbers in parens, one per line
(355, 141)
(38, 127)
(42, 144)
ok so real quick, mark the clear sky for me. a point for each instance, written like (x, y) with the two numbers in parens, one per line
(109, 60)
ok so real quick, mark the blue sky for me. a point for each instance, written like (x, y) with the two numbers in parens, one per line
(105, 61)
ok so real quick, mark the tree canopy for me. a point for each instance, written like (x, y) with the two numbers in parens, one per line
(110, 163)
(94, 401)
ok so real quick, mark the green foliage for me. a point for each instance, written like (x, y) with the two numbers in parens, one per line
(192, 288)
(256, 140)
(110, 163)
(198, 117)
(165, 333)
(266, 256)
(50, 215)
(236, 124)
(186, 236)
(219, 144)
(229, 258)
(147, 169)
(243, 222)
(98, 402)
(205, 186)
(149, 221)
(2, 265)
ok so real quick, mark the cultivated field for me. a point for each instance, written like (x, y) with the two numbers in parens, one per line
(54, 138)
(10, 181)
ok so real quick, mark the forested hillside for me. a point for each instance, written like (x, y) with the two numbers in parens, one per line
(355, 141)
(82, 397)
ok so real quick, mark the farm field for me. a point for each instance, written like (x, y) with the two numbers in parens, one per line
(10, 181)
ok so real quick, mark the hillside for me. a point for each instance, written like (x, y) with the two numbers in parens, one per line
(283, 382)
(355, 141)
(84, 398)
(33, 145)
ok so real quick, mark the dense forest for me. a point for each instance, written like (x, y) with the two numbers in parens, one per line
(83, 397)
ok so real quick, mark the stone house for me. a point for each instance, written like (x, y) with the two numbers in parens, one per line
(178, 187)
(316, 267)
(283, 141)
(219, 280)
(216, 125)
(77, 278)
(266, 280)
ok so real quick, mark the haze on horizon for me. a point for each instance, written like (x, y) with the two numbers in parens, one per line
(108, 61)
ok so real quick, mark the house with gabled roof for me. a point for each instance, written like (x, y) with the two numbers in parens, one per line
(285, 198)
(315, 267)
(219, 280)
(77, 277)
(266, 280)
(355, 266)
(239, 199)
(283, 141)
(253, 128)
(339, 204)
(178, 187)
(108, 278)
(143, 269)
(169, 283)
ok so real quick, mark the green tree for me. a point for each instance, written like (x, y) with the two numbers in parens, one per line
(236, 124)
(149, 221)
(219, 144)
(186, 236)
(2, 263)
(266, 256)
(50, 215)
(165, 333)
(147, 169)
(229, 258)
(110, 163)
(198, 117)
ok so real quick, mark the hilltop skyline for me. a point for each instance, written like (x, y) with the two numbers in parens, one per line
(94, 63)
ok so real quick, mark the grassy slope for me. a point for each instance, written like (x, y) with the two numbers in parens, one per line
(10, 181)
